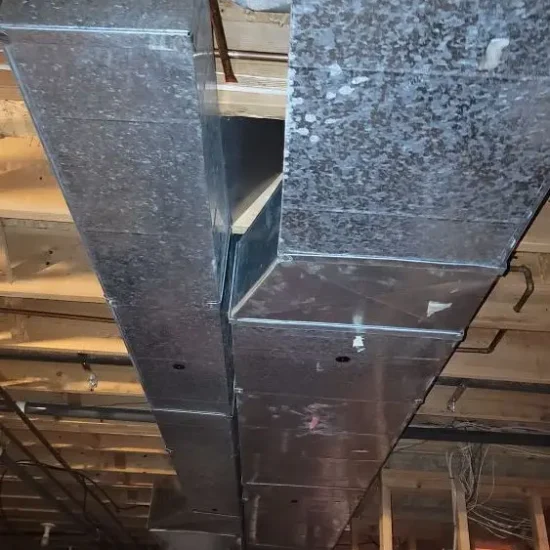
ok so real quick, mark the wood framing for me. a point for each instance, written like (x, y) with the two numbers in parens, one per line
(460, 518)
(385, 525)
(538, 522)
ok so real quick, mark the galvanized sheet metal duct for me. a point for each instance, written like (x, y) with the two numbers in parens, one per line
(416, 155)
(123, 97)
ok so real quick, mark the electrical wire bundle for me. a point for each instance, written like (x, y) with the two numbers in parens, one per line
(465, 466)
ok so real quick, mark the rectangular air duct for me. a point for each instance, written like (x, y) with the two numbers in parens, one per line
(123, 96)
(416, 155)
(417, 141)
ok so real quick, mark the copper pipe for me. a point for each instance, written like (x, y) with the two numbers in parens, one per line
(255, 56)
(219, 33)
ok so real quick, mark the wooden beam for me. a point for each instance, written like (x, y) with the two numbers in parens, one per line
(6, 273)
(538, 523)
(32, 193)
(49, 377)
(49, 262)
(528, 349)
(354, 529)
(15, 120)
(63, 326)
(86, 426)
(460, 518)
(385, 523)
(498, 312)
(32, 517)
(104, 443)
(97, 461)
(247, 30)
(499, 487)
(118, 480)
(13, 488)
(477, 404)
(259, 92)
(537, 238)
(250, 208)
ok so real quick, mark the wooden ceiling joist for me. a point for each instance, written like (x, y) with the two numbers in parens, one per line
(104, 443)
(94, 461)
(69, 378)
(479, 405)
(80, 425)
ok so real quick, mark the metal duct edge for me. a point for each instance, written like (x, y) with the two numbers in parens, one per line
(320, 291)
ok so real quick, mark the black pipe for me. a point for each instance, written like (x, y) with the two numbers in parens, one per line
(477, 436)
(500, 385)
(56, 315)
(64, 357)
(98, 413)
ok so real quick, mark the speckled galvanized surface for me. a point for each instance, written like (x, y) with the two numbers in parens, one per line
(354, 293)
(315, 514)
(146, 15)
(416, 153)
(400, 159)
(124, 98)
(360, 366)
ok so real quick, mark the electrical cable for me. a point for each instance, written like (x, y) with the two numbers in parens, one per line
(85, 477)
(470, 462)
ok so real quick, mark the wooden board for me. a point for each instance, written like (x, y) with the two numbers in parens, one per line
(479, 405)
(498, 312)
(520, 357)
(537, 238)
(130, 463)
(28, 190)
(260, 92)
(68, 441)
(86, 426)
(66, 378)
(249, 209)
(48, 262)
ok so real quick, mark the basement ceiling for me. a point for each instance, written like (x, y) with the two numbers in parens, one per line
(94, 408)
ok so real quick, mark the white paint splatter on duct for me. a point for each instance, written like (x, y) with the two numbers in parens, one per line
(359, 79)
(314, 139)
(302, 131)
(493, 54)
(331, 121)
(345, 90)
(298, 101)
(330, 95)
(359, 344)
(335, 70)
(310, 118)
(436, 307)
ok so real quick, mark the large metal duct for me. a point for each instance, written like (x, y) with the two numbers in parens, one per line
(417, 147)
(123, 96)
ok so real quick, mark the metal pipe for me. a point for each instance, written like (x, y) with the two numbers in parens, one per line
(499, 385)
(99, 413)
(12, 405)
(484, 350)
(56, 315)
(64, 357)
(219, 32)
(255, 56)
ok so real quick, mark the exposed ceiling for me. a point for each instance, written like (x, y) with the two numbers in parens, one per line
(53, 304)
